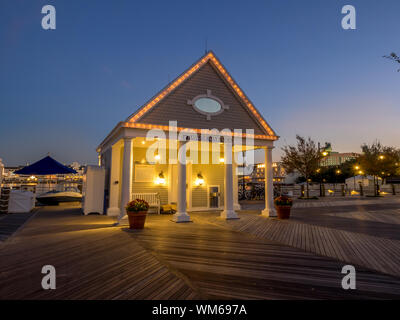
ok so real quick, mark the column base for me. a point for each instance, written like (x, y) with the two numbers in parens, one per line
(236, 206)
(113, 211)
(181, 217)
(269, 212)
(229, 214)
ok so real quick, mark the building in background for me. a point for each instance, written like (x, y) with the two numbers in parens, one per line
(257, 175)
(334, 158)
(42, 183)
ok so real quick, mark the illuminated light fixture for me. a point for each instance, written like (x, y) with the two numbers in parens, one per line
(160, 179)
(262, 165)
(360, 172)
(157, 157)
(381, 157)
(209, 57)
(200, 180)
(143, 142)
(357, 167)
(338, 171)
(221, 160)
(325, 153)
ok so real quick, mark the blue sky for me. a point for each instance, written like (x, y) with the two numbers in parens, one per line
(62, 91)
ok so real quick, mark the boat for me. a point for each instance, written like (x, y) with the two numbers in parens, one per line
(52, 198)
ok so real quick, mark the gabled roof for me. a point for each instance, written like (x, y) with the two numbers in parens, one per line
(209, 58)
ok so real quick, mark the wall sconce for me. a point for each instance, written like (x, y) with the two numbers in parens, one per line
(200, 180)
(221, 160)
(157, 157)
(160, 179)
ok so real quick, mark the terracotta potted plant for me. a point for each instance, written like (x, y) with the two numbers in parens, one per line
(283, 204)
(137, 212)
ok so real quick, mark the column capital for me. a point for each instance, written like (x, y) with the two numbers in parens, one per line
(268, 148)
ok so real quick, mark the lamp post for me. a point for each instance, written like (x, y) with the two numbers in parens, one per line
(321, 189)
(361, 183)
(356, 168)
(321, 194)
(337, 172)
(377, 191)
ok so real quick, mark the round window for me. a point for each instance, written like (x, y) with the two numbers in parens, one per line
(208, 105)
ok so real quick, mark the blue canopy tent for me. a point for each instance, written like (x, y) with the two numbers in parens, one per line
(49, 166)
(46, 166)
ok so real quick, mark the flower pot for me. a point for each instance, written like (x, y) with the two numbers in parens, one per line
(136, 219)
(283, 212)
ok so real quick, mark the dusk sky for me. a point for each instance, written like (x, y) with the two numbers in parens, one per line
(63, 90)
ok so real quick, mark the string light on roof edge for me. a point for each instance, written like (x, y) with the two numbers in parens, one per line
(211, 57)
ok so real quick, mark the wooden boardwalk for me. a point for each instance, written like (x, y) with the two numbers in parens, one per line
(10, 223)
(199, 260)
(391, 216)
(377, 253)
(231, 265)
(92, 259)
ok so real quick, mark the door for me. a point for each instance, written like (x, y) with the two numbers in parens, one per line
(213, 196)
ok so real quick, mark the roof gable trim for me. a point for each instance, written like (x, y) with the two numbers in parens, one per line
(186, 75)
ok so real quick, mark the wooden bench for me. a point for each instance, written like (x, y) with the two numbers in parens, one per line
(153, 199)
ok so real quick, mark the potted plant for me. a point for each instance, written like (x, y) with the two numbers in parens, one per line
(283, 205)
(137, 212)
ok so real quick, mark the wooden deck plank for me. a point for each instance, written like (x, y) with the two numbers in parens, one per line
(208, 259)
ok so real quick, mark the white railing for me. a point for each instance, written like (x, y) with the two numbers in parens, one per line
(153, 199)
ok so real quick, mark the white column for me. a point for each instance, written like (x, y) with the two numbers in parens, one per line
(269, 210)
(181, 214)
(126, 183)
(115, 183)
(236, 205)
(228, 212)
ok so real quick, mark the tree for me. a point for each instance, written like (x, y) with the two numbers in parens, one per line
(393, 57)
(335, 174)
(304, 158)
(379, 161)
